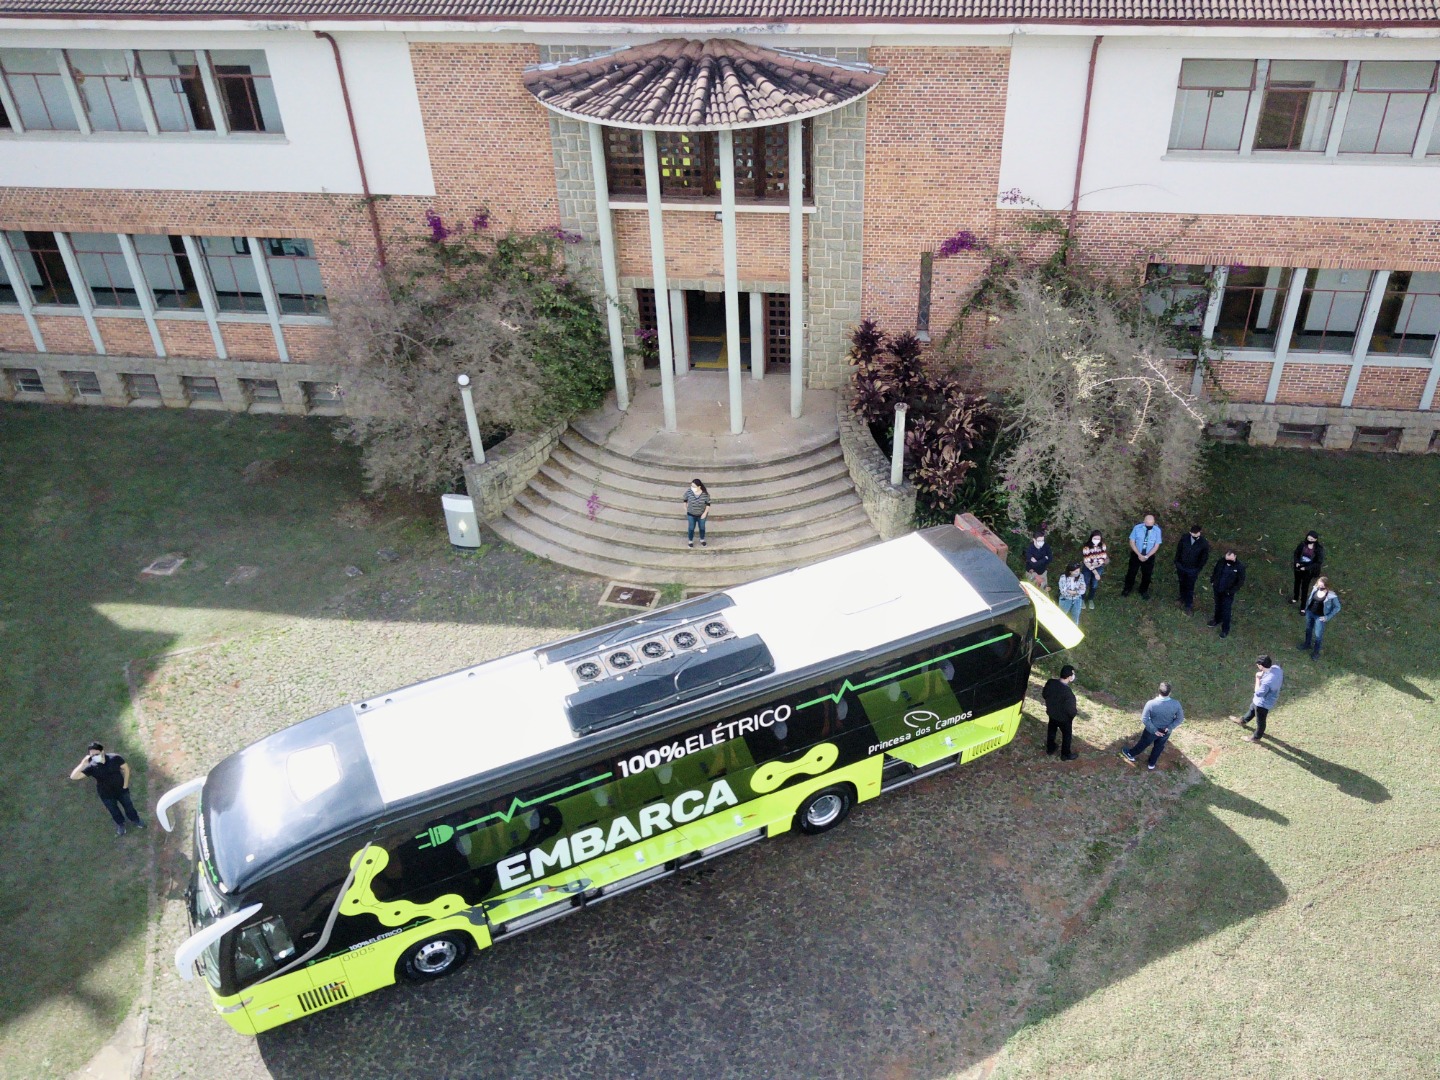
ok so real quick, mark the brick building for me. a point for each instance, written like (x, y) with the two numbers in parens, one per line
(185, 185)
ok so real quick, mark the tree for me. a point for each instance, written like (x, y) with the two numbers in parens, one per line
(502, 309)
(1093, 413)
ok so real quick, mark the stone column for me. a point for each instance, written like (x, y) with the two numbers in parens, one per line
(605, 225)
(797, 268)
(1207, 327)
(657, 269)
(1368, 316)
(1283, 332)
(732, 279)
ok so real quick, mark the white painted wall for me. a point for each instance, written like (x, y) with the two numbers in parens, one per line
(315, 154)
(1126, 164)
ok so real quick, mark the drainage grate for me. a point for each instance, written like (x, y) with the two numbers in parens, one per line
(630, 597)
(164, 566)
(324, 996)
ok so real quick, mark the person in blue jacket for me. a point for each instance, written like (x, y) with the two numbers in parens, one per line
(1321, 606)
(1268, 679)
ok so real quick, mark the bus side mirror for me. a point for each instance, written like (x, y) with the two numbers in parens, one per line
(174, 795)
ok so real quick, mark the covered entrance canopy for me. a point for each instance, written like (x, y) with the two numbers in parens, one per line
(678, 85)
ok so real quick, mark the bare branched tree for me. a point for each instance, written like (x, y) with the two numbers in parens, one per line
(505, 312)
(1098, 424)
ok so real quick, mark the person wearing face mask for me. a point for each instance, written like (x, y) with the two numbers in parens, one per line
(1096, 558)
(112, 782)
(1225, 581)
(1145, 540)
(1037, 560)
(1309, 557)
(1191, 555)
(1321, 605)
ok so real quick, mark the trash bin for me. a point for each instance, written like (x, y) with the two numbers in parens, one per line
(460, 520)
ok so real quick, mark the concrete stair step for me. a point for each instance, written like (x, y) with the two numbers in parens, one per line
(722, 557)
(586, 476)
(616, 465)
(553, 479)
(659, 531)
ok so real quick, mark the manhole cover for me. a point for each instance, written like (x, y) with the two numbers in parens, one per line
(242, 574)
(164, 566)
(631, 597)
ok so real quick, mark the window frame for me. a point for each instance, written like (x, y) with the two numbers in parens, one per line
(1212, 91)
(1359, 91)
(765, 172)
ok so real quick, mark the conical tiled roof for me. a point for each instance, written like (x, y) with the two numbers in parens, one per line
(687, 85)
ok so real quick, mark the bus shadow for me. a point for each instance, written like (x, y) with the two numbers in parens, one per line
(908, 942)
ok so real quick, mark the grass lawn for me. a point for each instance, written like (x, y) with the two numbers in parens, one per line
(1276, 922)
(1280, 921)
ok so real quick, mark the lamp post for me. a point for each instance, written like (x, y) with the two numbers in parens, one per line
(897, 448)
(468, 397)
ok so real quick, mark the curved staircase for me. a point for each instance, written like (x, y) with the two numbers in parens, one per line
(621, 517)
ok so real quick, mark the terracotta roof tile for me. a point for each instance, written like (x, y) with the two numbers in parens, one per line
(695, 85)
(1237, 12)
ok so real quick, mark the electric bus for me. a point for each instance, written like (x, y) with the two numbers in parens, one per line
(391, 838)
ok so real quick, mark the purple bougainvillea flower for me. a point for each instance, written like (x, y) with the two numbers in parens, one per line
(480, 221)
(964, 240)
(1012, 196)
(438, 229)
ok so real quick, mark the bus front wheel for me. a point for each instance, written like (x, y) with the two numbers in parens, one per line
(435, 958)
(824, 809)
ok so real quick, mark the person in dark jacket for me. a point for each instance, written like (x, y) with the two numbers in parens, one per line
(111, 774)
(1060, 709)
(1309, 558)
(1037, 561)
(1225, 581)
(1191, 555)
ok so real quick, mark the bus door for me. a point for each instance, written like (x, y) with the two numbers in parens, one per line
(921, 718)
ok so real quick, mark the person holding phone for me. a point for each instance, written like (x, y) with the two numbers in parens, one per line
(111, 774)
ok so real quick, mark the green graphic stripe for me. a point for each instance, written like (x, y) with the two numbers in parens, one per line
(835, 697)
(516, 806)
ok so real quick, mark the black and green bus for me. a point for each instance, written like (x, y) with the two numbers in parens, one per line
(391, 838)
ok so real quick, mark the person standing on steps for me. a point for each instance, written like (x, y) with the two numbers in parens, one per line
(1060, 710)
(1268, 678)
(1321, 605)
(1145, 540)
(1161, 716)
(111, 774)
(1037, 561)
(1225, 581)
(1191, 555)
(697, 510)
(1096, 558)
(1309, 558)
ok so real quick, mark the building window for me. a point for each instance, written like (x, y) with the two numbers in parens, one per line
(243, 79)
(1299, 104)
(1377, 438)
(200, 387)
(25, 380)
(1252, 306)
(1178, 292)
(1331, 304)
(922, 306)
(321, 394)
(261, 391)
(141, 387)
(1387, 106)
(690, 163)
(176, 88)
(107, 89)
(1300, 435)
(167, 272)
(102, 265)
(1210, 107)
(295, 273)
(7, 288)
(38, 89)
(43, 267)
(1409, 318)
(232, 273)
(81, 383)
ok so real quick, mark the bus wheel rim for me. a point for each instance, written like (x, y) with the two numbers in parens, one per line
(825, 809)
(436, 956)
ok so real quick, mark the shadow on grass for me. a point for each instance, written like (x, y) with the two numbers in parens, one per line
(1348, 781)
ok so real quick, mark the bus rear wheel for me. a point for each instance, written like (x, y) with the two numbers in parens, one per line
(434, 958)
(824, 809)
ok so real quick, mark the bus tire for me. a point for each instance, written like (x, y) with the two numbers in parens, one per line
(434, 958)
(824, 809)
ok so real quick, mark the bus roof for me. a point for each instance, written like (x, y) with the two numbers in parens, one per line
(440, 732)
(337, 771)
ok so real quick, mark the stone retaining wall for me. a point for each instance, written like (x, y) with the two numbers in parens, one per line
(1417, 429)
(509, 466)
(891, 509)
